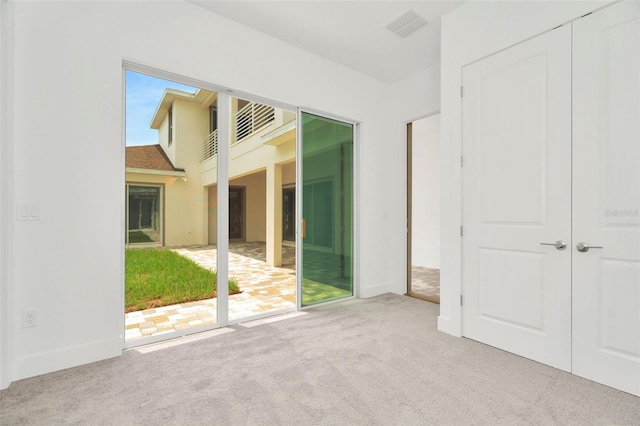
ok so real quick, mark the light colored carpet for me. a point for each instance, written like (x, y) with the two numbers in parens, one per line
(371, 361)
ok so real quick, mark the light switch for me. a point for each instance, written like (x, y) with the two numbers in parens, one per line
(23, 211)
(28, 212)
(34, 212)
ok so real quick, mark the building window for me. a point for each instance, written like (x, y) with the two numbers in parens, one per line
(144, 214)
(213, 119)
(170, 117)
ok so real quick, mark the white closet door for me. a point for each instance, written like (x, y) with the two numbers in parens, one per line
(606, 197)
(517, 195)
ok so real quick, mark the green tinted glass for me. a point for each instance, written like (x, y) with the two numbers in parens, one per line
(327, 205)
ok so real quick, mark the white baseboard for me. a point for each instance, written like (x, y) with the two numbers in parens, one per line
(373, 291)
(447, 326)
(49, 362)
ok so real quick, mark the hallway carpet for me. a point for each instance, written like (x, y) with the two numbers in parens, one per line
(364, 361)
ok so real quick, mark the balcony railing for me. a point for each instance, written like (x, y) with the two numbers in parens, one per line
(252, 118)
(210, 145)
(247, 121)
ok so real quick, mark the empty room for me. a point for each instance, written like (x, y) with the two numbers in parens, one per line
(278, 170)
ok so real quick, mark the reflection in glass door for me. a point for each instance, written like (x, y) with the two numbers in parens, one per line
(327, 206)
(144, 208)
(289, 214)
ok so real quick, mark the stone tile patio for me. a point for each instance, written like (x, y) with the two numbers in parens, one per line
(264, 289)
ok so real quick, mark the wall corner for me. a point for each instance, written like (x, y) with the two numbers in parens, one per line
(6, 191)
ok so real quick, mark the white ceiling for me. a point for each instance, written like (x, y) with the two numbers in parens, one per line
(352, 33)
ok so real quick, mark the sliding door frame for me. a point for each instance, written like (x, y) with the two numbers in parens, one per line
(224, 131)
(354, 206)
(224, 128)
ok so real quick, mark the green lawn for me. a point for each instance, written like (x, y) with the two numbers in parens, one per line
(159, 277)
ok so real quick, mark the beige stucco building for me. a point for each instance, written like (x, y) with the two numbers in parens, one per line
(172, 186)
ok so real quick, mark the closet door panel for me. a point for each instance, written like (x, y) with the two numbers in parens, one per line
(517, 195)
(606, 197)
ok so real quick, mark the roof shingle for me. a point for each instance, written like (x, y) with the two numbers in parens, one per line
(149, 157)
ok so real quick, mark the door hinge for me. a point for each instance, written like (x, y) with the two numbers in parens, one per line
(461, 230)
(460, 300)
(461, 161)
(461, 92)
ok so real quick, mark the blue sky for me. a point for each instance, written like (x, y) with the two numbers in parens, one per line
(143, 93)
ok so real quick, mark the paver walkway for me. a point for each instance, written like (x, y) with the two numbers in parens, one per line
(264, 289)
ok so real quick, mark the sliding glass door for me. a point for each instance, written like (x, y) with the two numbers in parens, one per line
(326, 190)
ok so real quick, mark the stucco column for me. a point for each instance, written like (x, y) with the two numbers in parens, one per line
(274, 215)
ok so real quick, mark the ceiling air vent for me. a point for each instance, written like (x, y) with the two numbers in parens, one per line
(407, 23)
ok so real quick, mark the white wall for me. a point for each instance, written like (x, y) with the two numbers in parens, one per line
(425, 198)
(3, 299)
(67, 72)
(5, 192)
(415, 97)
(469, 33)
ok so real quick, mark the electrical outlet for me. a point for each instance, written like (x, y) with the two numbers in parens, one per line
(29, 319)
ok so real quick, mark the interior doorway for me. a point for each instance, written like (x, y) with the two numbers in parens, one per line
(423, 209)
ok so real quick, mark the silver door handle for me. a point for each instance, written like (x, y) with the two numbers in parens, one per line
(560, 245)
(584, 247)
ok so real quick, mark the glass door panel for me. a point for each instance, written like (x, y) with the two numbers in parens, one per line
(262, 156)
(327, 205)
(171, 159)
